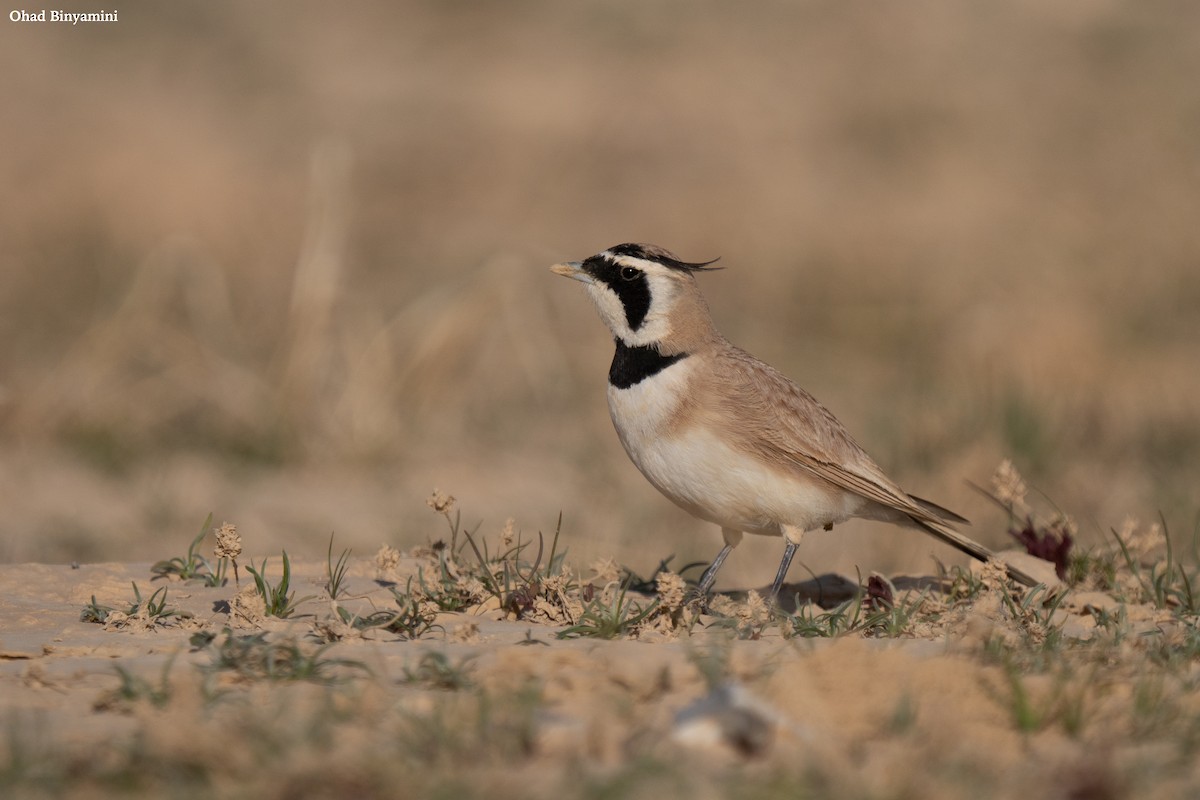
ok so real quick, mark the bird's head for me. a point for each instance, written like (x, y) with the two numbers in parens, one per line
(645, 294)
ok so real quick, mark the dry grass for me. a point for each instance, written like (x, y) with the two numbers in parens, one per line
(320, 243)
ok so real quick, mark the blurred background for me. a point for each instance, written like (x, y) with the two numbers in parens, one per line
(287, 262)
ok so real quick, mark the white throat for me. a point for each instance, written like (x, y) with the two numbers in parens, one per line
(655, 327)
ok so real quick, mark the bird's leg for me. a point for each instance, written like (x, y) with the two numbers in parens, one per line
(710, 574)
(789, 550)
(732, 539)
(791, 537)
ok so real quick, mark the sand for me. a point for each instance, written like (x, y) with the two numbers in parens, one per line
(219, 699)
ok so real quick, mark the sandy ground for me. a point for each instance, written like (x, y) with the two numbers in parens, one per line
(483, 703)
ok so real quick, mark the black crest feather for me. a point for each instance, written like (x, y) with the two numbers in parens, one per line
(661, 255)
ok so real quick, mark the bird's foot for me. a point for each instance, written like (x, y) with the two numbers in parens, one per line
(697, 599)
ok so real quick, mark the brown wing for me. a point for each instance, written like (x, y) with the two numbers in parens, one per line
(781, 422)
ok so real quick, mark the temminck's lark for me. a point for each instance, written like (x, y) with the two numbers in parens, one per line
(726, 437)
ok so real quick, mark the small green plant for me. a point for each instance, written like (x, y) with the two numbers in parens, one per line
(411, 620)
(1153, 708)
(278, 600)
(1064, 704)
(446, 590)
(134, 688)
(748, 619)
(193, 566)
(434, 670)
(602, 620)
(255, 657)
(904, 715)
(408, 623)
(515, 583)
(1177, 653)
(1168, 584)
(201, 639)
(960, 583)
(1092, 568)
(895, 621)
(810, 621)
(155, 608)
(94, 612)
(156, 604)
(1071, 702)
(470, 727)
(1024, 715)
(335, 572)
(865, 613)
(507, 575)
(1114, 623)
(1034, 615)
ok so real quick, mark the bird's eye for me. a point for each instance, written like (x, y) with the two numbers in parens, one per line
(629, 273)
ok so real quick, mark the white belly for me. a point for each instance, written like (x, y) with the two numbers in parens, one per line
(707, 477)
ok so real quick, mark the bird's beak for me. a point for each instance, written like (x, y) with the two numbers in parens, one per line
(572, 269)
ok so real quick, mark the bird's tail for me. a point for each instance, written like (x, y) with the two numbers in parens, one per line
(969, 546)
(944, 514)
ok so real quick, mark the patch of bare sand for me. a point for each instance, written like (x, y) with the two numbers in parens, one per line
(481, 700)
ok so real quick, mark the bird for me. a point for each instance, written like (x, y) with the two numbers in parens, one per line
(725, 436)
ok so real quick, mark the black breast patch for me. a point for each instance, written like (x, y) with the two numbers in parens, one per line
(632, 365)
